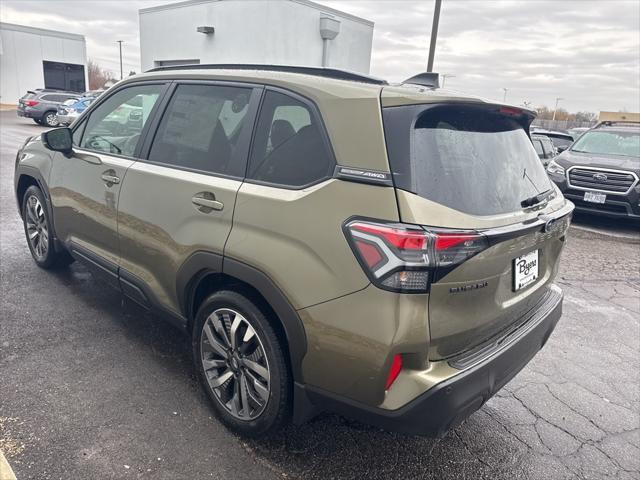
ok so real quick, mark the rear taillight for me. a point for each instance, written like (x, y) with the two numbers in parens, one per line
(31, 103)
(405, 258)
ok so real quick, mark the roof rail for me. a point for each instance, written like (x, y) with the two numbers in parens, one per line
(611, 123)
(315, 71)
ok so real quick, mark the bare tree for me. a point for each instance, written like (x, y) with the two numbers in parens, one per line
(98, 76)
(546, 113)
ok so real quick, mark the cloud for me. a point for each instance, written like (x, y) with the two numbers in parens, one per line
(587, 51)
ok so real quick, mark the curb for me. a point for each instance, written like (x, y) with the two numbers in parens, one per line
(6, 473)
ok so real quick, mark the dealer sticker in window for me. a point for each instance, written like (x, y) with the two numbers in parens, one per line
(525, 270)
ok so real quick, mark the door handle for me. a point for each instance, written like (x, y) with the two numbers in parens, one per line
(206, 202)
(109, 177)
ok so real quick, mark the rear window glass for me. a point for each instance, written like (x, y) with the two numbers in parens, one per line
(470, 159)
(561, 141)
(537, 144)
(609, 143)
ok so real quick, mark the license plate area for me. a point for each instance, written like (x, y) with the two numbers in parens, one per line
(594, 197)
(525, 270)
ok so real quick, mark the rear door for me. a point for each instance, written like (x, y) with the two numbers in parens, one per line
(180, 198)
(473, 168)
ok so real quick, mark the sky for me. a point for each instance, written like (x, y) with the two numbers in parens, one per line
(587, 52)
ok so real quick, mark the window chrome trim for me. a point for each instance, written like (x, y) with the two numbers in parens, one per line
(598, 169)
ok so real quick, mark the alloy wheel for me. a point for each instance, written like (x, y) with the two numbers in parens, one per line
(51, 119)
(37, 231)
(235, 364)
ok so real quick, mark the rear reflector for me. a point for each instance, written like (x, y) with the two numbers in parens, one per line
(402, 258)
(394, 371)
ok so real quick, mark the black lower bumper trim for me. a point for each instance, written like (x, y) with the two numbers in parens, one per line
(449, 403)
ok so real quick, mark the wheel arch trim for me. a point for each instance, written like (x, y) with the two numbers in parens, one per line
(201, 264)
(23, 171)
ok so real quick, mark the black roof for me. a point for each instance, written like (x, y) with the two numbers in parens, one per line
(316, 71)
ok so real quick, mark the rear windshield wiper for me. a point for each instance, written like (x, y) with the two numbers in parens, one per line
(536, 199)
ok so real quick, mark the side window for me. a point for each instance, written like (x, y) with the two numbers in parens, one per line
(537, 144)
(201, 127)
(115, 126)
(288, 148)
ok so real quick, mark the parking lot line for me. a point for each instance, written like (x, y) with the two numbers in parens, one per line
(6, 473)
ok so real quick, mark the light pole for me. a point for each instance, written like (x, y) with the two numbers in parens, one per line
(444, 77)
(120, 44)
(504, 97)
(434, 35)
(556, 107)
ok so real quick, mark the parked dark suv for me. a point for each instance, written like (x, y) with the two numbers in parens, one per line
(544, 148)
(329, 241)
(41, 105)
(600, 171)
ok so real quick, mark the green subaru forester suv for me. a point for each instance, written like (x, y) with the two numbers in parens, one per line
(329, 241)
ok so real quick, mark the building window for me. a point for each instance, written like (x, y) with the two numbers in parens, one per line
(64, 76)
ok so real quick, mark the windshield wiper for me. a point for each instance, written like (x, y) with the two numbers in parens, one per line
(536, 199)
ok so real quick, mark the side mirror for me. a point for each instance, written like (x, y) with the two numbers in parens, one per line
(58, 140)
(561, 149)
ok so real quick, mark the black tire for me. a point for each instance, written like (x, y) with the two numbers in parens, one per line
(50, 119)
(276, 409)
(38, 231)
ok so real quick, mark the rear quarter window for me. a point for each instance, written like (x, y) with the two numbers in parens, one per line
(290, 147)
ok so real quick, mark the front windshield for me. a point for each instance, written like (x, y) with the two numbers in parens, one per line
(609, 143)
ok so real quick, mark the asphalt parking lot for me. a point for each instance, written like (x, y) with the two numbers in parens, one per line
(93, 387)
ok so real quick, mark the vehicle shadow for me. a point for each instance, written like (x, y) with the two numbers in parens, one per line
(620, 226)
(329, 446)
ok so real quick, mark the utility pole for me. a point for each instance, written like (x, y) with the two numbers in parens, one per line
(434, 35)
(444, 77)
(504, 98)
(556, 107)
(120, 43)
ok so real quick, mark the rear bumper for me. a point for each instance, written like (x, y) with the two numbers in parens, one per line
(448, 403)
(28, 113)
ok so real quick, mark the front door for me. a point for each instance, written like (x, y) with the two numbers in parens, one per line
(85, 186)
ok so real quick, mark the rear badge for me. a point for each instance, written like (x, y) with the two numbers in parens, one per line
(467, 288)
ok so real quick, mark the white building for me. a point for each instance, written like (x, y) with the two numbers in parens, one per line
(283, 32)
(38, 58)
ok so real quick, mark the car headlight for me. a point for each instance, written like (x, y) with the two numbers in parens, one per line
(555, 168)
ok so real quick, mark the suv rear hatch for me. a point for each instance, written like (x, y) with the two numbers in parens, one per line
(470, 168)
